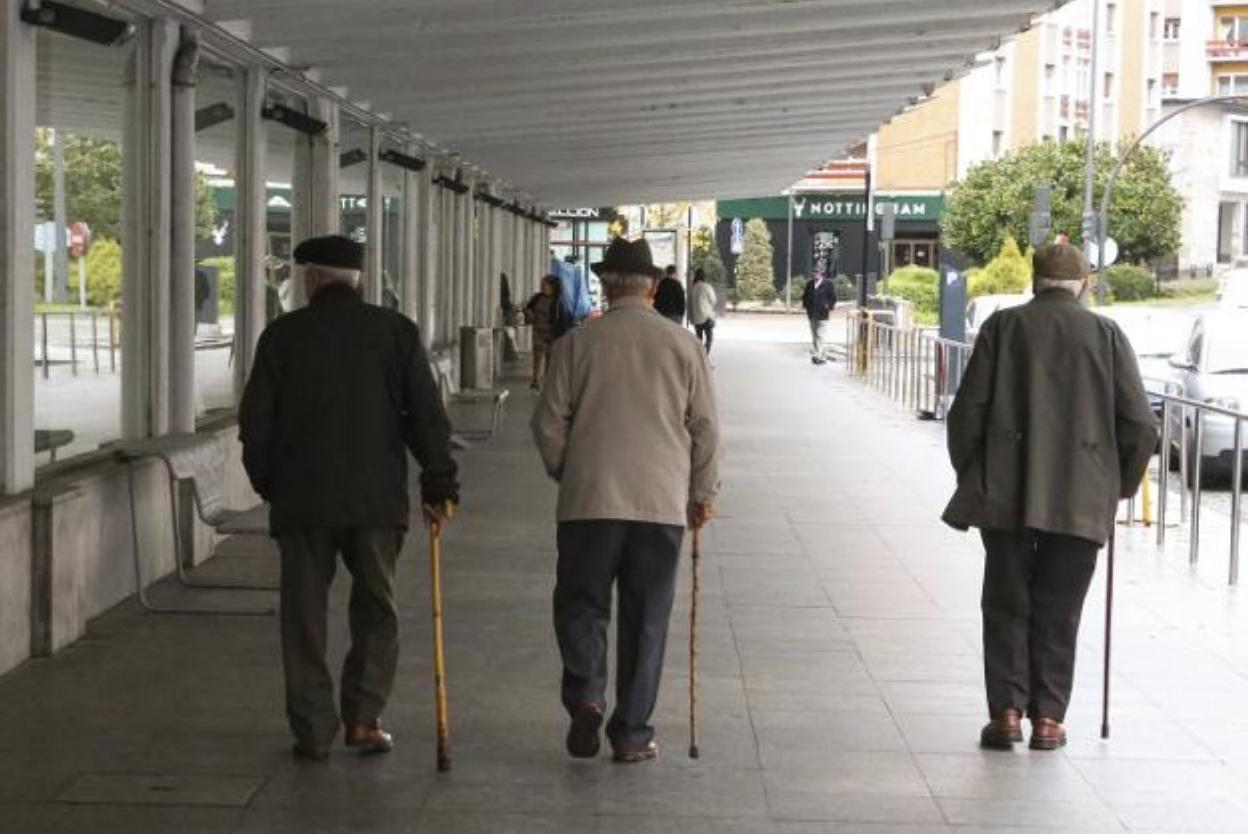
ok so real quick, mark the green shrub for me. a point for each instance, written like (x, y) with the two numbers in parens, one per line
(798, 288)
(845, 289)
(918, 285)
(1130, 283)
(1009, 273)
(226, 281)
(104, 272)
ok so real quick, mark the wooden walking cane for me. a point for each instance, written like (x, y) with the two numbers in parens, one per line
(439, 657)
(694, 752)
(1109, 621)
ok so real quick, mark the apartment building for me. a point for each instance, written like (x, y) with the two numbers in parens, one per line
(1206, 54)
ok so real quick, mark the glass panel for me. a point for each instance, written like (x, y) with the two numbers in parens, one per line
(598, 232)
(283, 294)
(393, 187)
(924, 254)
(216, 104)
(353, 145)
(83, 93)
(901, 255)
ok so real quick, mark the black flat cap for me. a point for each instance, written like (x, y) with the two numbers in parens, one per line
(332, 250)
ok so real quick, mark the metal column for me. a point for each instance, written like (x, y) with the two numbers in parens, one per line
(181, 275)
(250, 224)
(374, 251)
(17, 251)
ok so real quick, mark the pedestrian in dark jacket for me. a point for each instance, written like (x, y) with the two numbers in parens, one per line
(669, 299)
(819, 300)
(1051, 427)
(543, 313)
(340, 392)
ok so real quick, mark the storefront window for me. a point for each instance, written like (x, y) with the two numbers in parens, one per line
(216, 133)
(394, 190)
(82, 95)
(353, 165)
(279, 281)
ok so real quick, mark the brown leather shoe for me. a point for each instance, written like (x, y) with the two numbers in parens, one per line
(1047, 734)
(369, 738)
(647, 752)
(583, 741)
(1002, 732)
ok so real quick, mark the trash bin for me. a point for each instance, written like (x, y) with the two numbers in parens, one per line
(476, 358)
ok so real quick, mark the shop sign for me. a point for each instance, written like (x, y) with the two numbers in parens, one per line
(852, 206)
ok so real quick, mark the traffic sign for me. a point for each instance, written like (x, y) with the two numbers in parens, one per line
(1111, 252)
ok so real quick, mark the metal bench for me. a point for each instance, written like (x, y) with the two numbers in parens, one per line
(49, 440)
(497, 398)
(201, 461)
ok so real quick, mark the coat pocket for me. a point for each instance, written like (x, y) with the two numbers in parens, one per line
(1003, 468)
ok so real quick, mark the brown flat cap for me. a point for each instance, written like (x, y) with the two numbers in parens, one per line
(1059, 262)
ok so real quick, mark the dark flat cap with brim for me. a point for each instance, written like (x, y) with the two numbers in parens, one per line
(1059, 262)
(331, 250)
(628, 258)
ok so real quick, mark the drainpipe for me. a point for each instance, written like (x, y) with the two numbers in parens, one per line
(182, 244)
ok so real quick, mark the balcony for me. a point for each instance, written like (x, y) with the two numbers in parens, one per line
(1224, 50)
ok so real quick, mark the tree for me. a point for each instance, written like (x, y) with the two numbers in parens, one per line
(1009, 273)
(705, 256)
(94, 188)
(994, 200)
(756, 280)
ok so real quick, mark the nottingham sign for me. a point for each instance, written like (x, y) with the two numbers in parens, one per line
(852, 206)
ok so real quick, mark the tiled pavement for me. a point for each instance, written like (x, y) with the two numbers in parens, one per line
(839, 666)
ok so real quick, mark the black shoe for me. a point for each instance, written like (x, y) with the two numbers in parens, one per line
(583, 741)
(815, 360)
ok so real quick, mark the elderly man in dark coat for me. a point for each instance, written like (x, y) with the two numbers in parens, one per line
(340, 392)
(1050, 429)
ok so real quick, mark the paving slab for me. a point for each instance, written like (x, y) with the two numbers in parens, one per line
(841, 685)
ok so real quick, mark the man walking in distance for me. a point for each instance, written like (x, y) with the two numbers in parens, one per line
(339, 393)
(669, 300)
(818, 300)
(627, 424)
(1050, 429)
(702, 303)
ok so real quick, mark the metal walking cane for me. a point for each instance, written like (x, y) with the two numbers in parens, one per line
(1109, 622)
(439, 657)
(694, 752)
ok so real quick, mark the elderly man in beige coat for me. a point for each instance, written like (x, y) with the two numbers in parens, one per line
(627, 424)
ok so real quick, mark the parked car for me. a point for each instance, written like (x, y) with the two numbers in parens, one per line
(979, 310)
(1156, 335)
(1212, 368)
(1233, 286)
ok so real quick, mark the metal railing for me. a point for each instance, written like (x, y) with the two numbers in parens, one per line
(1193, 415)
(77, 338)
(915, 367)
(921, 372)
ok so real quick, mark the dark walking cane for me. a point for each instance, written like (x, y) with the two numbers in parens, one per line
(439, 657)
(1109, 622)
(693, 648)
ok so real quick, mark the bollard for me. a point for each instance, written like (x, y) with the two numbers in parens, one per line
(1194, 550)
(1147, 489)
(1237, 488)
(73, 346)
(1163, 474)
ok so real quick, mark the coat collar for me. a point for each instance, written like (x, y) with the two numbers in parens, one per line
(629, 302)
(336, 294)
(1056, 295)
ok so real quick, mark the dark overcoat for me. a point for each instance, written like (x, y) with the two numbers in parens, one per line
(340, 391)
(1051, 426)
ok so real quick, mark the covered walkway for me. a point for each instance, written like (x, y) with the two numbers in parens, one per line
(840, 673)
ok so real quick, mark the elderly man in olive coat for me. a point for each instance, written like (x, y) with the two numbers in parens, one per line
(1050, 429)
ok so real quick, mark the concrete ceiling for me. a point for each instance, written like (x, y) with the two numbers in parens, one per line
(606, 102)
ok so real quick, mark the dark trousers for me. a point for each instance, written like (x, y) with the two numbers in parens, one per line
(309, 561)
(1034, 587)
(706, 333)
(641, 560)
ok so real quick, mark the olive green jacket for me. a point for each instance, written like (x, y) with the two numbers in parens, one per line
(1051, 426)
